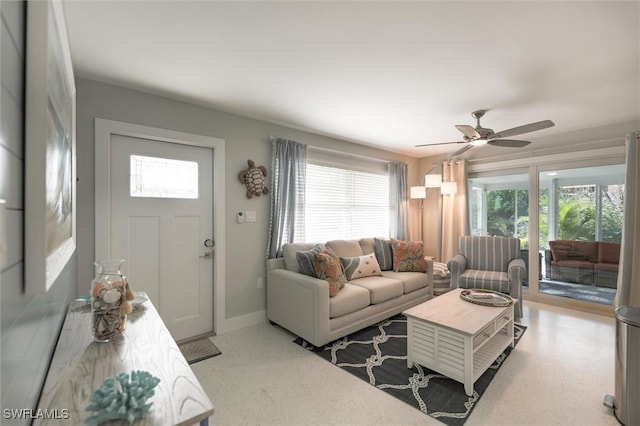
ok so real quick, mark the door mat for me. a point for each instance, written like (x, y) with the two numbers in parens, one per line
(378, 355)
(198, 350)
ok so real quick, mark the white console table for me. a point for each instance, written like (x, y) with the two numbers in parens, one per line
(80, 365)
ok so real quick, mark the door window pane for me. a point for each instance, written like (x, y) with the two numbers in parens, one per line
(154, 177)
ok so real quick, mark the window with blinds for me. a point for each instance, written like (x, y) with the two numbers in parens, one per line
(344, 203)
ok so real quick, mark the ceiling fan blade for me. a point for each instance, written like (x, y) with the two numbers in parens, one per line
(531, 127)
(462, 150)
(439, 143)
(468, 131)
(510, 143)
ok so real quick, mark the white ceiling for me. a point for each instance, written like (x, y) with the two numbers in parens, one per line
(387, 74)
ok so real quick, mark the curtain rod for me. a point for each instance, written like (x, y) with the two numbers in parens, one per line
(333, 151)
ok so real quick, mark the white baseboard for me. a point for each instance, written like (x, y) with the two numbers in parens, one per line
(241, 321)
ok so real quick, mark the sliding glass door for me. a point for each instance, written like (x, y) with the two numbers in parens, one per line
(574, 213)
(580, 223)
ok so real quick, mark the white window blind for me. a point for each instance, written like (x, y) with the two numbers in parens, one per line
(343, 203)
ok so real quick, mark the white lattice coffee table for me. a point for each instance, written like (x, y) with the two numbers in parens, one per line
(456, 338)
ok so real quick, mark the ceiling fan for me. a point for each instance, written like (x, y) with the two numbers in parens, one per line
(481, 135)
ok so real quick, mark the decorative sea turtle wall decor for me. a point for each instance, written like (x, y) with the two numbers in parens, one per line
(254, 179)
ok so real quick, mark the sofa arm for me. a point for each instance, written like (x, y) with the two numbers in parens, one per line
(299, 303)
(456, 266)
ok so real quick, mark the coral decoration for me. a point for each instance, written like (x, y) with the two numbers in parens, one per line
(124, 402)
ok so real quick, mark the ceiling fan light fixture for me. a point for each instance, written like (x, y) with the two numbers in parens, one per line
(478, 142)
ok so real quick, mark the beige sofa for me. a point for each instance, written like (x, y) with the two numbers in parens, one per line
(301, 303)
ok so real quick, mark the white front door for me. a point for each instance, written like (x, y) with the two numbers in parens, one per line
(161, 222)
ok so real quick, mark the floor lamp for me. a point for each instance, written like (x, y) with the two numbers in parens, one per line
(419, 192)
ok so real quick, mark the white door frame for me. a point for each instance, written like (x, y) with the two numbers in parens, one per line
(103, 131)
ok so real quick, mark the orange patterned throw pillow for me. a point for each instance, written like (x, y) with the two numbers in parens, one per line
(408, 256)
(328, 267)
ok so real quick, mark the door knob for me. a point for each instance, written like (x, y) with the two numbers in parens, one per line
(208, 243)
(207, 255)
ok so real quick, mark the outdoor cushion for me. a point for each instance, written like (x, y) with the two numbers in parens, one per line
(573, 263)
(613, 267)
(609, 252)
(488, 280)
(411, 280)
(345, 248)
(586, 249)
(380, 288)
(350, 299)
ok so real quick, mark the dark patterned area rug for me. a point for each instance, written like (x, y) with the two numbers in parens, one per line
(378, 355)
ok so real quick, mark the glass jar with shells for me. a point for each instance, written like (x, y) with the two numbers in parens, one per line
(108, 300)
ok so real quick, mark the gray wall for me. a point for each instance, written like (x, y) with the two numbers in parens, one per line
(30, 325)
(245, 139)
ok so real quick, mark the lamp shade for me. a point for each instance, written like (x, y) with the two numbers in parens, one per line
(448, 188)
(418, 192)
(432, 181)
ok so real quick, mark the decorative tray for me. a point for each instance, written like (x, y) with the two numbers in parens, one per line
(486, 297)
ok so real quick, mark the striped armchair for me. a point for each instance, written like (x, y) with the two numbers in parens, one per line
(491, 263)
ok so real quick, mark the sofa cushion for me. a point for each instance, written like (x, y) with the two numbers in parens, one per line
(410, 280)
(306, 260)
(408, 256)
(380, 288)
(366, 244)
(384, 253)
(289, 253)
(488, 280)
(350, 299)
(329, 268)
(608, 252)
(361, 266)
(345, 248)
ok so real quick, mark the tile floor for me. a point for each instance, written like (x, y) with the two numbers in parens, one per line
(557, 375)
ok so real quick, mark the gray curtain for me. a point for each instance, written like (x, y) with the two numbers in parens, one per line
(289, 170)
(399, 200)
(629, 276)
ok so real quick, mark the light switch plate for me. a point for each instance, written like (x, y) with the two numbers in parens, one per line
(251, 216)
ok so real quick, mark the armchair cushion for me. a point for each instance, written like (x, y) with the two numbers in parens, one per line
(488, 280)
